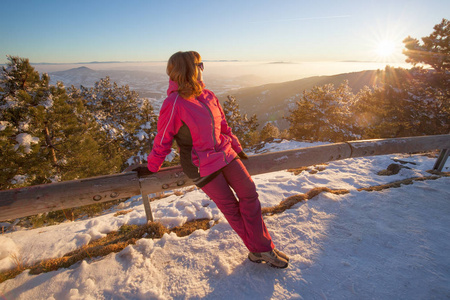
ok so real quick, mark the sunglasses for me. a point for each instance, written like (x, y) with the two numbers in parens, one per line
(201, 66)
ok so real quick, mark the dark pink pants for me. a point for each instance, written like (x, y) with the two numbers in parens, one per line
(243, 215)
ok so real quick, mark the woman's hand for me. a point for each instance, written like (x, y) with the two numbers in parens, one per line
(242, 155)
(140, 169)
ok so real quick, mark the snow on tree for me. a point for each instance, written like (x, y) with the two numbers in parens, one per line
(41, 139)
(322, 114)
(146, 132)
(128, 121)
(404, 105)
(22, 92)
(435, 52)
(243, 127)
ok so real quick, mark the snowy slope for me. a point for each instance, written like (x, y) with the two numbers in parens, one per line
(390, 244)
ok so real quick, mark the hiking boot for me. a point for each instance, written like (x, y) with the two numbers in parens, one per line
(281, 254)
(270, 257)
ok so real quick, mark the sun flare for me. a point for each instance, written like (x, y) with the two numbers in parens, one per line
(385, 48)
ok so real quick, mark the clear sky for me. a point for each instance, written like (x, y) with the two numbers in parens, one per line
(137, 30)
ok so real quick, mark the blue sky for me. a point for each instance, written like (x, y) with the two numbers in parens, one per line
(97, 30)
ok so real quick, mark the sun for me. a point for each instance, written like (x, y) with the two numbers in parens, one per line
(385, 49)
(384, 42)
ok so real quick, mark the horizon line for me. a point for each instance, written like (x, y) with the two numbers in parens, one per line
(211, 60)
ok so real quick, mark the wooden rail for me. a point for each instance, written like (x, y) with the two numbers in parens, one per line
(21, 202)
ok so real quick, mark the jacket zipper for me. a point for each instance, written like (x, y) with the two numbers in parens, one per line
(213, 128)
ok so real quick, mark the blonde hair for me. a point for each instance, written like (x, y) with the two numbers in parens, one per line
(182, 68)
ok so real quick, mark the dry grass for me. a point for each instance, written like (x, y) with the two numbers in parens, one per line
(298, 170)
(122, 212)
(10, 274)
(292, 200)
(399, 183)
(18, 261)
(312, 170)
(114, 242)
(189, 227)
(20, 266)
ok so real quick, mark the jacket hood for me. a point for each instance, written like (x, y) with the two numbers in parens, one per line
(173, 87)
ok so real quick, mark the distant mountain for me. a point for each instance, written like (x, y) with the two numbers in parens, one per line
(270, 102)
(147, 84)
(76, 77)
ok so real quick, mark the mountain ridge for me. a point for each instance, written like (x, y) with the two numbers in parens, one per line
(271, 102)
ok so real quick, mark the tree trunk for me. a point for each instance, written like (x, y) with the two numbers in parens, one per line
(48, 141)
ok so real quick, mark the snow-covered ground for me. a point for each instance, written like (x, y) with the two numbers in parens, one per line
(389, 244)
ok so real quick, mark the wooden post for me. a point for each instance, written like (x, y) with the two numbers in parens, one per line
(441, 160)
(146, 202)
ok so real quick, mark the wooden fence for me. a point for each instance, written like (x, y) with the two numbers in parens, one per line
(22, 202)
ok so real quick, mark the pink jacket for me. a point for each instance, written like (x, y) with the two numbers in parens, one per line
(201, 131)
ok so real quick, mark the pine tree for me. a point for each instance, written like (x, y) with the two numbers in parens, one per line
(302, 119)
(232, 113)
(127, 120)
(322, 114)
(25, 157)
(41, 136)
(243, 127)
(77, 138)
(146, 132)
(433, 85)
(269, 131)
(435, 49)
(404, 105)
(383, 112)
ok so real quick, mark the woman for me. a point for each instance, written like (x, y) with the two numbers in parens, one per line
(210, 154)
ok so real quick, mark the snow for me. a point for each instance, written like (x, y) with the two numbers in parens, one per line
(4, 125)
(24, 126)
(389, 244)
(19, 179)
(141, 135)
(25, 140)
(48, 103)
(10, 102)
